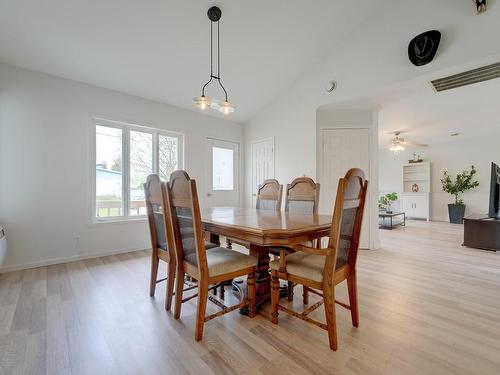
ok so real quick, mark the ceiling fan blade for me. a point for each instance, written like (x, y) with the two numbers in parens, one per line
(410, 143)
(397, 132)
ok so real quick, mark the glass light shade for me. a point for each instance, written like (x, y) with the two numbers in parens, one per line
(226, 108)
(202, 102)
(397, 148)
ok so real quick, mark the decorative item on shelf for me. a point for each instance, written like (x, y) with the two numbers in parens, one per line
(414, 188)
(481, 6)
(416, 159)
(463, 181)
(384, 202)
(203, 102)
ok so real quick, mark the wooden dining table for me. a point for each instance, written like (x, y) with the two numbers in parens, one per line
(261, 229)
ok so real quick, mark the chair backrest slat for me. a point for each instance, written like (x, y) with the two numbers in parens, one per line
(347, 220)
(269, 195)
(182, 200)
(302, 196)
(153, 192)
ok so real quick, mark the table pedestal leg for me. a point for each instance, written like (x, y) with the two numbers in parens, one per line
(262, 279)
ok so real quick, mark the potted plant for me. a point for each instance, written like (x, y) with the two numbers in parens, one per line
(386, 200)
(463, 181)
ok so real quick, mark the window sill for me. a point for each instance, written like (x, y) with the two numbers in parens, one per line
(98, 223)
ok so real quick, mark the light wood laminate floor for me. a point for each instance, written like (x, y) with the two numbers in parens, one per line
(427, 305)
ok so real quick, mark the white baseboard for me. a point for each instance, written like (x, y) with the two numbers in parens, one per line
(73, 258)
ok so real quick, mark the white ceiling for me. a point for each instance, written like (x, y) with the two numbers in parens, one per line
(430, 117)
(160, 49)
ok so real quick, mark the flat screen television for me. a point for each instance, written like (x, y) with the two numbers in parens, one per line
(494, 211)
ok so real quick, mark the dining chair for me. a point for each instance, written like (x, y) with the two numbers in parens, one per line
(321, 269)
(155, 198)
(268, 198)
(301, 197)
(269, 195)
(207, 267)
(154, 193)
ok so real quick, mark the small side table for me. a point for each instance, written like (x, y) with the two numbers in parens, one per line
(391, 216)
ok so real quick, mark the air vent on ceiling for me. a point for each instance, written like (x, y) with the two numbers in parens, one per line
(469, 77)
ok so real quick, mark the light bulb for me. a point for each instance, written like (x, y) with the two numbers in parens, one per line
(202, 102)
(226, 108)
(396, 148)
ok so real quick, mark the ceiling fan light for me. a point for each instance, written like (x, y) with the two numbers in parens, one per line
(226, 108)
(202, 102)
(397, 148)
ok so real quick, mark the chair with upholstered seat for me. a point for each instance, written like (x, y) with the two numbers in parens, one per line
(207, 267)
(269, 195)
(155, 198)
(268, 198)
(301, 197)
(320, 269)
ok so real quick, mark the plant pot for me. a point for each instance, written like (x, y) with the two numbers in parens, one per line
(456, 213)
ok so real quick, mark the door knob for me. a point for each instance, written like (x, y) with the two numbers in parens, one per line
(209, 195)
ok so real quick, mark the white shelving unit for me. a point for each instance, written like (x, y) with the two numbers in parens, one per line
(415, 200)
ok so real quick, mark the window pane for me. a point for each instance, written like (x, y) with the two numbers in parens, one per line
(169, 153)
(141, 165)
(108, 172)
(222, 167)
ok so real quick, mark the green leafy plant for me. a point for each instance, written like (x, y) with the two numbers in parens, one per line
(385, 200)
(463, 181)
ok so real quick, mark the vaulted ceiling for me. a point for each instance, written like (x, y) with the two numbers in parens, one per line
(429, 117)
(160, 49)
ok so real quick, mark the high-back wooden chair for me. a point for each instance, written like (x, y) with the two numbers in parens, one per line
(301, 197)
(323, 268)
(155, 197)
(207, 267)
(269, 195)
(268, 198)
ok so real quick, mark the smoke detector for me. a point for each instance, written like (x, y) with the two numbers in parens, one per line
(330, 86)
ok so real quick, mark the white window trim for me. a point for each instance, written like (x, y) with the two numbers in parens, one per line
(126, 128)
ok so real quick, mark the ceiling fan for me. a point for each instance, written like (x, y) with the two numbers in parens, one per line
(398, 143)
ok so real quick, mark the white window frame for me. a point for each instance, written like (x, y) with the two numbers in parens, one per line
(126, 129)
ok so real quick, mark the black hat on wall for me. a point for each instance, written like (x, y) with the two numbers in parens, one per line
(423, 47)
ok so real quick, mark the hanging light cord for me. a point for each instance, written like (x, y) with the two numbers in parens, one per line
(217, 77)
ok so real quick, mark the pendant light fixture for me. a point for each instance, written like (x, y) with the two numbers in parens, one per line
(203, 102)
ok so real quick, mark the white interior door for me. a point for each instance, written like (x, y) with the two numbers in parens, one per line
(262, 164)
(343, 149)
(223, 173)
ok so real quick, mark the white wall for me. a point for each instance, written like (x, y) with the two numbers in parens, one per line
(451, 156)
(372, 58)
(44, 163)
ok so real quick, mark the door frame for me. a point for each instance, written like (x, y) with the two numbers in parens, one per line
(238, 175)
(273, 161)
(372, 241)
